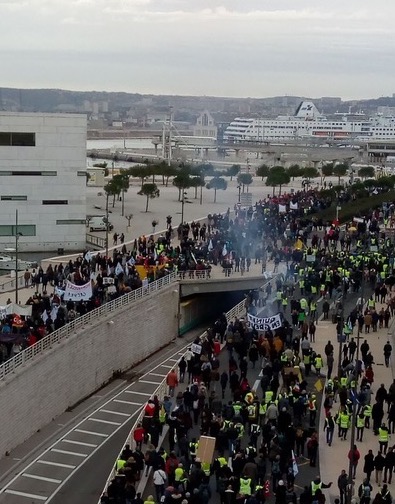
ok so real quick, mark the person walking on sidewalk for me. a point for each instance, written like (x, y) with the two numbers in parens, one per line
(384, 437)
(379, 464)
(389, 465)
(387, 353)
(353, 457)
(172, 382)
(329, 427)
(364, 492)
(368, 466)
(342, 482)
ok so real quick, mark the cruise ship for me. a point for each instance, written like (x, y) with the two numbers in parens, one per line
(308, 122)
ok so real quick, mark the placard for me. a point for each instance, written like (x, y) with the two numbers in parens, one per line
(264, 323)
(197, 349)
(206, 447)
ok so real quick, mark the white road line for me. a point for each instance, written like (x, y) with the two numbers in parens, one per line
(82, 431)
(56, 464)
(66, 452)
(121, 401)
(256, 385)
(24, 494)
(103, 421)
(42, 478)
(166, 366)
(138, 393)
(114, 412)
(153, 374)
(150, 382)
(173, 360)
(81, 443)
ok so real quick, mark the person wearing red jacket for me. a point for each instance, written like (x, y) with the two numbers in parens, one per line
(172, 382)
(353, 457)
(138, 436)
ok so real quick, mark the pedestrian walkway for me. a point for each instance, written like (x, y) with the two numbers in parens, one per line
(335, 458)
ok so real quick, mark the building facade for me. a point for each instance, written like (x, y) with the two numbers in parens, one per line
(43, 176)
(205, 126)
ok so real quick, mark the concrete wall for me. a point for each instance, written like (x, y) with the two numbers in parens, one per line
(77, 367)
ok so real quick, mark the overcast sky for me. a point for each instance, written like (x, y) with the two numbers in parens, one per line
(241, 48)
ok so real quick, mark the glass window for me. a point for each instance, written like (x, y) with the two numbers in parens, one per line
(23, 229)
(23, 139)
(18, 139)
(70, 221)
(13, 198)
(5, 138)
(55, 202)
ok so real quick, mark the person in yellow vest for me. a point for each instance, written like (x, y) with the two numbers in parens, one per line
(180, 476)
(262, 412)
(284, 303)
(312, 405)
(318, 364)
(268, 396)
(120, 464)
(344, 424)
(193, 447)
(149, 500)
(360, 426)
(384, 437)
(245, 486)
(317, 484)
(367, 413)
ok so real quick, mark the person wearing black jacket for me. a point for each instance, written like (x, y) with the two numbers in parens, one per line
(389, 465)
(379, 464)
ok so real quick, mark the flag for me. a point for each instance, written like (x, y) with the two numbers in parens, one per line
(298, 244)
(132, 261)
(44, 316)
(155, 255)
(59, 292)
(318, 385)
(210, 245)
(54, 312)
(88, 256)
(293, 206)
(108, 270)
(118, 269)
(295, 469)
(224, 250)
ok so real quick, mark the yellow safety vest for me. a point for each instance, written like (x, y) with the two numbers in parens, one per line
(315, 487)
(245, 486)
(383, 435)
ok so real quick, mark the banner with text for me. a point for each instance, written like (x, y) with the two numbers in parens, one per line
(78, 292)
(264, 323)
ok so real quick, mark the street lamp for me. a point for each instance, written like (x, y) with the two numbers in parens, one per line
(17, 235)
(239, 188)
(183, 199)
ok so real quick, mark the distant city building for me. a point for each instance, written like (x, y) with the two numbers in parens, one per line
(43, 175)
(205, 125)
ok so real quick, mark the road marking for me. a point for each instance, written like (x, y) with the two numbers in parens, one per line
(166, 366)
(121, 401)
(41, 478)
(114, 412)
(66, 452)
(154, 374)
(103, 421)
(174, 360)
(81, 443)
(82, 431)
(56, 464)
(28, 495)
(138, 393)
(256, 385)
(150, 382)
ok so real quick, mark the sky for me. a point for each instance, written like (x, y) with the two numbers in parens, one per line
(236, 48)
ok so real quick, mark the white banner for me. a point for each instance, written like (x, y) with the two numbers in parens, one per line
(197, 349)
(293, 206)
(108, 280)
(264, 323)
(78, 292)
(13, 308)
(282, 209)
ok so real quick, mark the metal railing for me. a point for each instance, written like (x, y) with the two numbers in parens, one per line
(10, 285)
(95, 241)
(72, 327)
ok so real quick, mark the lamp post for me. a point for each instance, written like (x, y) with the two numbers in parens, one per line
(17, 236)
(107, 196)
(239, 188)
(182, 206)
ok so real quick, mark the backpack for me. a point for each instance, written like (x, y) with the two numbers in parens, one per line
(276, 467)
(364, 491)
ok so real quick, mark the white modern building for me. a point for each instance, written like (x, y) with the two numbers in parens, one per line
(43, 176)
